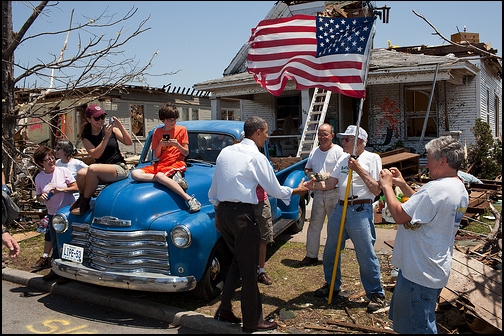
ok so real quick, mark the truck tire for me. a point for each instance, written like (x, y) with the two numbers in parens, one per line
(211, 284)
(298, 225)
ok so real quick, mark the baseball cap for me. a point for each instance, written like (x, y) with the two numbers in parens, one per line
(93, 111)
(350, 131)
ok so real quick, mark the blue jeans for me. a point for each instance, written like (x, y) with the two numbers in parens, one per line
(413, 307)
(359, 227)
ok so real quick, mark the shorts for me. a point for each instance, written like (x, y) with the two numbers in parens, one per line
(122, 171)
(263, 219)
(166, 168)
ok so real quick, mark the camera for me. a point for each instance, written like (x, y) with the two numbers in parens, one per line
(166, 136)
(111, 121)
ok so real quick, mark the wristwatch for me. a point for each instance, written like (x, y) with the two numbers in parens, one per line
(5, 230)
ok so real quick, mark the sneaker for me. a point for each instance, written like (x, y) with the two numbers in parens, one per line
(194, 205)
(376, 302)
(264, 279)
(41, 264)
(324, 291)
(177, 177)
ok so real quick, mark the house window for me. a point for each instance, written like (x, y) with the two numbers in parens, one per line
(416, 102)
(497, 119)
(184, 115)
(289, 114)
(137, 120)
(194, 114)
(227, 114)
(488, 106)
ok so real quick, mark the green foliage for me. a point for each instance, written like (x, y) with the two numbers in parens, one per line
(484, 157)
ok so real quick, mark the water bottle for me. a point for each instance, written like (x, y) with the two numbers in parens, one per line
(49, 195)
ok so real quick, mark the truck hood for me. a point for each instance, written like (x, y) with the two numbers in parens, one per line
(144, 202)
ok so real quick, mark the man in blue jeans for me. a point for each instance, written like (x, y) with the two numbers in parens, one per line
(359, 220)
(427, 224)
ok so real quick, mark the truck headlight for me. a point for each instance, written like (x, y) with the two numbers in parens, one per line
(60, 223)
(181, 236)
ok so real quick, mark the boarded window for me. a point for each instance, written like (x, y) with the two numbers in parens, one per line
(416, 103)
(137, 120)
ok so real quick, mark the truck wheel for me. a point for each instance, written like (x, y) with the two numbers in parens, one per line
(297, 226)
(212, 282)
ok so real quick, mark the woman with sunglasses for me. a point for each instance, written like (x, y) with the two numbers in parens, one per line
(102, 143)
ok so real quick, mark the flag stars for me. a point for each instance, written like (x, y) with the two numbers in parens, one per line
(349, 36)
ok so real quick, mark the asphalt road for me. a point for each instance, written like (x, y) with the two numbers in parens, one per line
(29, 311)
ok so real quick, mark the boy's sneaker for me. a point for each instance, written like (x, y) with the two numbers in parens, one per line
(194, 205)
(376, 302)
(177, 177)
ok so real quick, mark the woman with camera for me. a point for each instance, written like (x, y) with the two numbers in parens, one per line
(102, 143)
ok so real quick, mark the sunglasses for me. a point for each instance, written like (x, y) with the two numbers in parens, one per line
(102, 117)
(347, 139)
(49, 159)
(57, 148)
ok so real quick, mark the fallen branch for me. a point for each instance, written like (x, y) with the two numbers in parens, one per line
(350, 315)
(361, 327)
(316, 327)
(492, 235)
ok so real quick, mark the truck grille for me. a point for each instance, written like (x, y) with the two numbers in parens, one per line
(114, 251)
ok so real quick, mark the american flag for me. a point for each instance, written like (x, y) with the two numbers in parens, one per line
(314, 51)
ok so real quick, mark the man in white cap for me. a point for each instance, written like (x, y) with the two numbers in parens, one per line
(359, 220)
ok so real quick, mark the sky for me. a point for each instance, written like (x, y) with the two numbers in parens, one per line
(197, 40)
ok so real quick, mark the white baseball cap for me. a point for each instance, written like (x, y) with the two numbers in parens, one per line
(350, 131)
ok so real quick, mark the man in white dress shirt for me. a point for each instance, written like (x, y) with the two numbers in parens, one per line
(238, 171)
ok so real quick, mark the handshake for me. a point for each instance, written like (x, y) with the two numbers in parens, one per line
(318, 176)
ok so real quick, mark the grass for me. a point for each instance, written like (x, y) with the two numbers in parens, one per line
(483, 225)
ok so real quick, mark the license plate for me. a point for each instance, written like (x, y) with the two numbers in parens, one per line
(72, 253)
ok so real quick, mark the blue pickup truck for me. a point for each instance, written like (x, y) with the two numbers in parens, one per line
(141, 235)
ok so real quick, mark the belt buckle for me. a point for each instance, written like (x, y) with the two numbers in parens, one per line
(351, 199)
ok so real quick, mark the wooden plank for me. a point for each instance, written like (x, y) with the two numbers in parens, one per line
(387, 160)
(480, 285)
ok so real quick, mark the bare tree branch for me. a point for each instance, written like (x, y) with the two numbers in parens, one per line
(6, 54)
(97, 66)
(465, 45)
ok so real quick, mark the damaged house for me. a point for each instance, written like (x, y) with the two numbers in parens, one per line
(465, 84)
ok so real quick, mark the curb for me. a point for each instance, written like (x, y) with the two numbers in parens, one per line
(103, 296)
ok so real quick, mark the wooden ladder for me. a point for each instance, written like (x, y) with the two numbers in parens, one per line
(315, 118)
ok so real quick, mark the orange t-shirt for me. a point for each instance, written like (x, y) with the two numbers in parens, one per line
(171, 159)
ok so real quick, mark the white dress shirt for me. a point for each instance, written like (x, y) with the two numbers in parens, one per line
(239, 169)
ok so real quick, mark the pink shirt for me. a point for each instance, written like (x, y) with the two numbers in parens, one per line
(261, 193)
(60, 178)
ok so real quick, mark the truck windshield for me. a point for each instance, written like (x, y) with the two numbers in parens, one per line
(202, 147)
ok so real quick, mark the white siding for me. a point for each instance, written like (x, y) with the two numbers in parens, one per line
(262, 106)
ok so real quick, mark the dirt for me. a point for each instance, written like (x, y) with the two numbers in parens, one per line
(290, 300)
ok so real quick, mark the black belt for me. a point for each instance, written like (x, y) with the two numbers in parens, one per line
(355, 201)
(236, 203)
